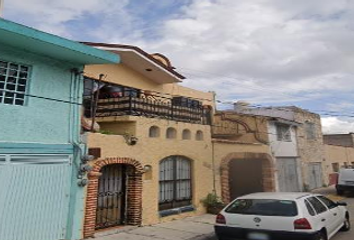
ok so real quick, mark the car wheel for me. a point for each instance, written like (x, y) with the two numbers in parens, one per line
(320, 236)
(346, 225)
(340, 192)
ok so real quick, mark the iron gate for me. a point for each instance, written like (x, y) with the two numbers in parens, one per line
(111, 197)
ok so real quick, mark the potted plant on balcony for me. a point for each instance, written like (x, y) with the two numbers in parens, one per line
(213, 203)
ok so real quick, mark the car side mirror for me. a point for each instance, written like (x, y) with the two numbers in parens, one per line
(342, 204)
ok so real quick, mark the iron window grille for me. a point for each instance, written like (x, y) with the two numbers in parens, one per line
(13, 83)
(283, 133)
(175, 183)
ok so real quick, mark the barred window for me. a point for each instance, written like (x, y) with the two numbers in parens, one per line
(283, 132)
(175, 183)
(13, 83)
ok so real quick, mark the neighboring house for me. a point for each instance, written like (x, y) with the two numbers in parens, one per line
(339, 152)
(241, 154)
(40, 152)
(153, 152)
(308, 140)
(283, 142)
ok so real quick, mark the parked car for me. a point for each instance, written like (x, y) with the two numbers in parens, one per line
(345, 180)
(283, 216)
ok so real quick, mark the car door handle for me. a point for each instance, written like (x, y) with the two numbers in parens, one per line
(323, 219)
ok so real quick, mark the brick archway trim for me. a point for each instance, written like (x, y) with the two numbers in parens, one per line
(268, 171)
(134, 193)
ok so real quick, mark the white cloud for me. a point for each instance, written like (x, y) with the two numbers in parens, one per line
(52, 16)
(336, 125)
(264, 51)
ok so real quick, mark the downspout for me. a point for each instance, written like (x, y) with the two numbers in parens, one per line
(212, 144)
(76, 192)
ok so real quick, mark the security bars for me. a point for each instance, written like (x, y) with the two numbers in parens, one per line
(13, 83)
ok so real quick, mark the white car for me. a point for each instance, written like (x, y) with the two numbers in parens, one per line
(283, 216)
(345, 180)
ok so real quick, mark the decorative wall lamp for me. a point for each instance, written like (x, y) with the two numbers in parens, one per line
(147, 172)
(130, 139)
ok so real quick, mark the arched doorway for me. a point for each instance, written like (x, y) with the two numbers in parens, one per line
(243, 173)
(112, 181)
(111, 202)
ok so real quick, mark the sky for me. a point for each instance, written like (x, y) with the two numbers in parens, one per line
(265, 52)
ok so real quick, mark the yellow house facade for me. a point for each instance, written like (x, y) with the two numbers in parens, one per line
(152, 146)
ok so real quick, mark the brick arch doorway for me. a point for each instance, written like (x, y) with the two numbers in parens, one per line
(243, 173)
(112, 181)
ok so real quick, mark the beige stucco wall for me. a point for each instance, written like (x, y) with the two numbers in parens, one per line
(149, 151)
(337, 154)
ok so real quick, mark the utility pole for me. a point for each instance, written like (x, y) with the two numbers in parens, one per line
(1, 7)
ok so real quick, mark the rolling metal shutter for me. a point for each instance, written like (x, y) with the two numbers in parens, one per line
(35, 194)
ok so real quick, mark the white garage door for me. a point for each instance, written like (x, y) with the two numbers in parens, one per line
(34, 199)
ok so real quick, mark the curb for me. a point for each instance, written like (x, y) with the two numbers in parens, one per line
(203, 237)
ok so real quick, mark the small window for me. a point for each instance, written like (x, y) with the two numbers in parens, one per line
(283, 132)
(13, 83)
(345, 165)
(317, 205)
(335, 167)
(171, 133)
(309, 208)
(329, 203)
(310, 129)
(186, 134)
(199, 136)
(154, 132)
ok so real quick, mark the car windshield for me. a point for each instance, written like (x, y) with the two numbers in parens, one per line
(264, 207)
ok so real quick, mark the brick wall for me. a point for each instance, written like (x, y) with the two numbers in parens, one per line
(134, 193)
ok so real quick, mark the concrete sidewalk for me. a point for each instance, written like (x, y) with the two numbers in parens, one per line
(196, 228)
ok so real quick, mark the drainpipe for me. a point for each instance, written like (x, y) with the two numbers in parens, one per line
(212, 144)
(76, 207)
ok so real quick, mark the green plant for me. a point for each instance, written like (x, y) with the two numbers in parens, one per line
(107, 132)
(306, 187)
(212, 200)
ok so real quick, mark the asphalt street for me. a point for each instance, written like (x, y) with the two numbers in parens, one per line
(350, 234)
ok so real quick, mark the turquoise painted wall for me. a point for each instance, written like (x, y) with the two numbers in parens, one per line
(43, 126)
(40, 120)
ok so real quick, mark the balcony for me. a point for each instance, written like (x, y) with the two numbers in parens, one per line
(118, 100)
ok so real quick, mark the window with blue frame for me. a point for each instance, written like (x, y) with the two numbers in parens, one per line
(13, 83)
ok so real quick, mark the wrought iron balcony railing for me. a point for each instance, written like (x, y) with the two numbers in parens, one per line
(136, 106)
(152, 106)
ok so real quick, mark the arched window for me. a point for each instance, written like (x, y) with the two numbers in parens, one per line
(199, 136)
(154, 132)
(175, 183)
(186, 134)
(171, 133)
